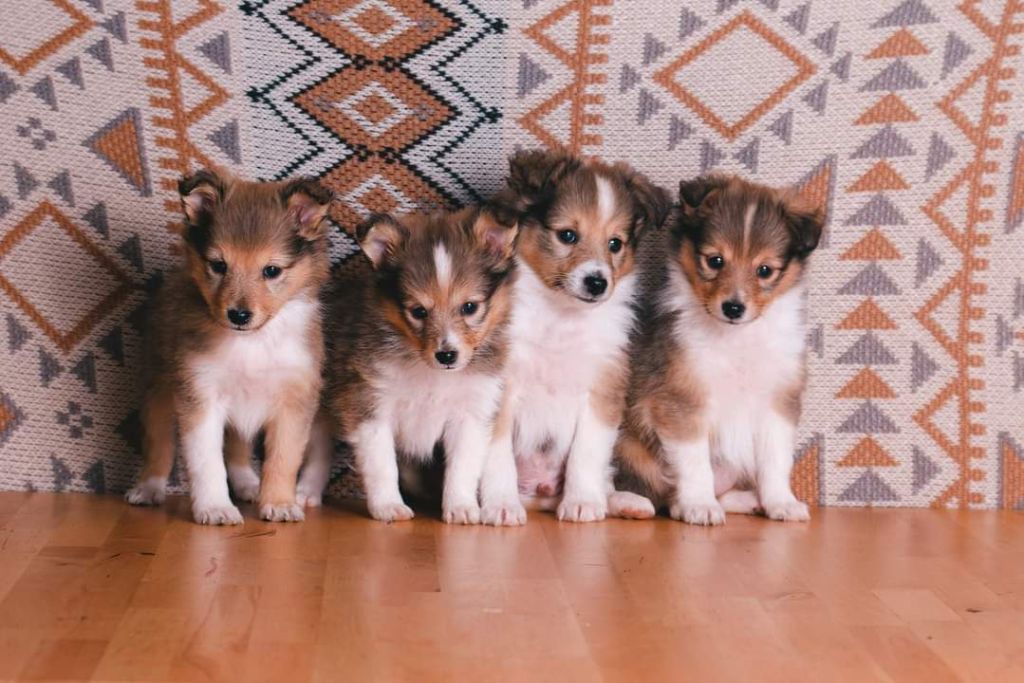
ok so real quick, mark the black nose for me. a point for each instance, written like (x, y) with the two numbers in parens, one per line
(239, 316)
(446, 357)
(733, 310)
(595, 284)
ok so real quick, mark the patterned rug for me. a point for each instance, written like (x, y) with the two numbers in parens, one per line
(898, 116)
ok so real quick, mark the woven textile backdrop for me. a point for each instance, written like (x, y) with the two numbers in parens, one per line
(902, 117)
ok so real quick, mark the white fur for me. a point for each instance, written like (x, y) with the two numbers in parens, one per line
(442, 265)
(238, 382)
(748, 222)
(741, 369)
(417, 406)
(559, 349)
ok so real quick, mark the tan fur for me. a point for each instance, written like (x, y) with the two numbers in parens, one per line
(248, 226)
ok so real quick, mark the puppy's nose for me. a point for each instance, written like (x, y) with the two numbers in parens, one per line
(239, 316)
(446, 357)
(733, 310)
(595, 284)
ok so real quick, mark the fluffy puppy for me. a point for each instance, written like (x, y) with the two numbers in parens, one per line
(235, 345)
(416, 351)
(718, 361)
(580, 224)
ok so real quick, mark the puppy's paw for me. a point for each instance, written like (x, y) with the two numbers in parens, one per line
(281, 512)
(468, 513)
(148, 492)
(511, 513)
(628, 505)
(582, 510)
(390, 512)
(245, 483)
(787, 511)
(708, 513)
(740, 502)
(217, 514)
(306, 496)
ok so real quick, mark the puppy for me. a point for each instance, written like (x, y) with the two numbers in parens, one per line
(417, 348)
(235, 345)
(718, 361)
(580, 224)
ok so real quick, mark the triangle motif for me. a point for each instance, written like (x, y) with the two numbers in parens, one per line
(874, 246)
(868, 488)
(866, 384)
(867, 316)
(120, 144)
(889, 109)
(881, 176)
(903, 43)
(867, 453)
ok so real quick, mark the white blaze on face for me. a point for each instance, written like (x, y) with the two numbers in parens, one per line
(605, 200)
(748, 222)
(442, 266)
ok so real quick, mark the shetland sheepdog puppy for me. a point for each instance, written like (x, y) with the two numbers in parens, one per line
(580, 224)
(235, 346)
(416, 350)
(718, 359)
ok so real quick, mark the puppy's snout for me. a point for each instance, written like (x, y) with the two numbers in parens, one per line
(595, 283)
(239, 316)
(447, 357)
(733, 310)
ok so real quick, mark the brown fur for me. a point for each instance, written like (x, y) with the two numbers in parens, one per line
(248, 226)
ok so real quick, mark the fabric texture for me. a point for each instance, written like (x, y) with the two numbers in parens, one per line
(902, 118)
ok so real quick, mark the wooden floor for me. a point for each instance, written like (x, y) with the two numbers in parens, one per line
(92, 588)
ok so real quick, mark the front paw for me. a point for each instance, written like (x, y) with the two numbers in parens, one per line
(245, 484)
(216, 514)
(709, 513)
(390, 512)
(628, 505)
(148, 492)
(466, 513)
(307, 496)
(787, 511)
(511, 513)
(582, 510)
(281, 512)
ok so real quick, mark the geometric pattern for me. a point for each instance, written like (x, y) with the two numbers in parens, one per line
(897, 117)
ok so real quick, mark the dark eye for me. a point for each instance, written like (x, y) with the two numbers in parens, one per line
(615, 245)
(270, 272)
(568, 236)
(716, 262)
(764, 271)
(469, 308)
(219, 267)
(418, 312)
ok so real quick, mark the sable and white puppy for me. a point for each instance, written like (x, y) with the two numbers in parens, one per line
(718, 361)
(416, 352)
(580, 223)
(235, 345)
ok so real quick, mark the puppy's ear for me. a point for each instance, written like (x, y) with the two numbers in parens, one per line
(496, 236)
(379, 237)
(700, 192)
(307, 202)
(651, 203)
(533, 175)
(200, 193)
(804, 221)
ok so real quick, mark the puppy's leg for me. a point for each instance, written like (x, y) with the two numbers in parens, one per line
(694, 499)
(740, 502)
(203, 446)
(374, 445)
(499, 487)
(157, 447)
(245, 483)
(585, 496)
(774, 446)
(466, 442)
(316, 471)
(287, 436)
(629, 505)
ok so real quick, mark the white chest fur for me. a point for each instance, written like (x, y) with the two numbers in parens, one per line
(560, 347)
(420, 403)
(741, 369)
(243, 376)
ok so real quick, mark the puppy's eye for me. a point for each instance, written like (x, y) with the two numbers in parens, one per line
(271, 272)
(469, 308)
(764, 271)
(716, 262)
(568, 236)
(218, 266)
(418, 312)
(615, 245)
